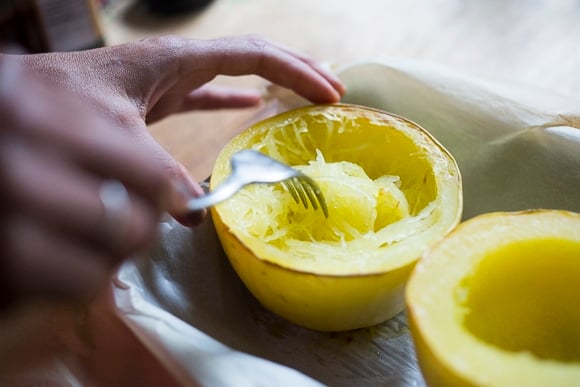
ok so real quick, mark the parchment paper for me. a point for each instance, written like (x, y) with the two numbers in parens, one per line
(516, 148)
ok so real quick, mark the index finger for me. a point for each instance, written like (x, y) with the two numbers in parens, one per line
(255, 55)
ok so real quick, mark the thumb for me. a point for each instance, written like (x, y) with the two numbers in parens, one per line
(183, 186)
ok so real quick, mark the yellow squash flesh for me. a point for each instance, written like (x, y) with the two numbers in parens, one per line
(496, 303)
(392, 191)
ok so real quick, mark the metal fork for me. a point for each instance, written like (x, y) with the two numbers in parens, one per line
(249, 167)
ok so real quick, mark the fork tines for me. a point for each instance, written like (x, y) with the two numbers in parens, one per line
(304, 189)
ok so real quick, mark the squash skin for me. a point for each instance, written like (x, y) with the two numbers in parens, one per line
(466, 359)
(319, 301)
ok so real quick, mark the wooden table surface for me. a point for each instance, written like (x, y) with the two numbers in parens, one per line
(531, 42)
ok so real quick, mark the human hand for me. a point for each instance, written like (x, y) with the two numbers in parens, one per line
(77, 194)
(142, 82)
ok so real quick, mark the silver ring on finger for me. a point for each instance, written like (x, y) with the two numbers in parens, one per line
(115, 200)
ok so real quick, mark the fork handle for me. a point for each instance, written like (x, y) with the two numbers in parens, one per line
(224, 191)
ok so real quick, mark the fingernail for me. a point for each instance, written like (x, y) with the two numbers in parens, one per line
(192, 219)
(338, 95)
(185, 189)
(341, 88)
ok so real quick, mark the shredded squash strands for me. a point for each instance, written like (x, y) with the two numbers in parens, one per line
(384, 195)
(365, 215)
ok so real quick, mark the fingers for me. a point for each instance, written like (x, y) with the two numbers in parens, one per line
(59, 163)
(324, 72)
(73, 271)
(85, 139)
(116, 156)
(189, 189)
(67, 199)
(216, 97)
(59, 235)
(254, 55)
(206, 98)
(183, 187)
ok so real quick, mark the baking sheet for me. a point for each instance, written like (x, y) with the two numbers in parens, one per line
(189, 277)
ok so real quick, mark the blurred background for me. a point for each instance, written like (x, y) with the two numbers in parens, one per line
(530, 42)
